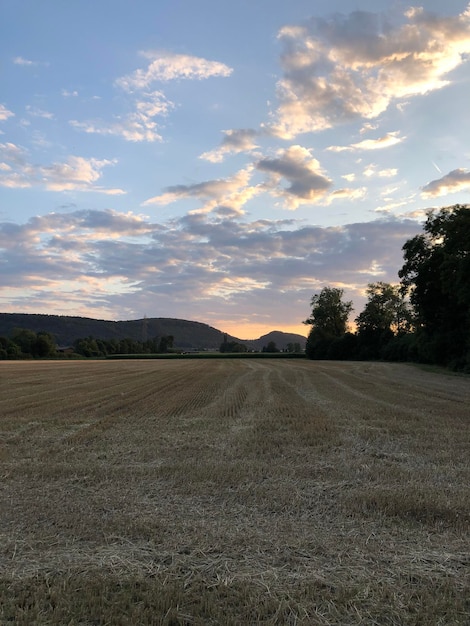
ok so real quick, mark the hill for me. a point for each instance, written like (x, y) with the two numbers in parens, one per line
(188, 335)
(280, 338)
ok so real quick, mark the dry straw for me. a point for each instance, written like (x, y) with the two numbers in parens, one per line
(233, 492)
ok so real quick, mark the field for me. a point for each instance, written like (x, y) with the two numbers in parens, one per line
(233, 492)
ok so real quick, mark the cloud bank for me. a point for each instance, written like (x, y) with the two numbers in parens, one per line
(109, 262)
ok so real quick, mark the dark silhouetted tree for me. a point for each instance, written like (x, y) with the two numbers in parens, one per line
(385, 316)
(436, 275)
(329, 320)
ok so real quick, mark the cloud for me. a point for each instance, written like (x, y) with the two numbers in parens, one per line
(74, 174)
(69, 94)
(371, 170)
(24, 62)
(165, 66)
(355, 66)
(196, 267)
(388, 140)
(224, 196)
(5, 113)
(453, 182)
(234, 142)
(305, 178)
(137, 126)
(148, 105)
(35, 112)
(346, 194)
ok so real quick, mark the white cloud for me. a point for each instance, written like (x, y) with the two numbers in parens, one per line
(346, 194)
(5, 113)
(388, 140)
(306, 181)
(137, 126)
(453, 182)
(355, 66)
(69, 94)
(23, 61)
(166, 66)
(148, 105)
(388, 173)
(19, 60)
(76, 173)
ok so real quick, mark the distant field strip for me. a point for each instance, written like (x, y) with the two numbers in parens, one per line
(232, 491)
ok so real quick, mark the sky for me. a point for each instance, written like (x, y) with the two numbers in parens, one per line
(223, 161)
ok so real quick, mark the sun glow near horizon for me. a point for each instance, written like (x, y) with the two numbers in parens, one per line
(254, 331)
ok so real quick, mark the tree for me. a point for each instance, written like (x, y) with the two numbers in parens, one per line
(231, 346)
(87, 346)
(385, 309)
(385, 315)
(293, 347)
(436, 275)
(329, 320)
(271, 347)
(25, 340)
(166, 343)
(44, 345)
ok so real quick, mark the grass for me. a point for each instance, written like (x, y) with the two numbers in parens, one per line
(233, 492)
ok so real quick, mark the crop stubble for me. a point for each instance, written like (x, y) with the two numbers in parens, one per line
(233, 492)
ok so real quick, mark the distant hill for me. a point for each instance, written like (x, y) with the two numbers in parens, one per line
(188, 335)
(279, 338)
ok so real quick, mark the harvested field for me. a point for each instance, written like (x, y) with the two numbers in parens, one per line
(233, 492)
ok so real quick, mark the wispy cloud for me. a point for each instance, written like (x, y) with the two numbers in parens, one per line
(139, 125)
(24, 62)
(354, 67)
(388, 140)
(453, 182)
(36, 112)
(149, 107)
(69, 94)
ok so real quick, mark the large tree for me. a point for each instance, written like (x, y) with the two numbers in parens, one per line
(384, 316)
(329, 320)
(436, 274)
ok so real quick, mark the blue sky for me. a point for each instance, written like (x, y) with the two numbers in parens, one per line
(223, 161)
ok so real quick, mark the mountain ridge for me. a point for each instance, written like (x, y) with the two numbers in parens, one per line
(188, 334)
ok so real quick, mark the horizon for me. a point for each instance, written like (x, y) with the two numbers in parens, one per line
(148, 161)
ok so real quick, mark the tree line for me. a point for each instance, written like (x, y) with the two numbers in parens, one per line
(25, 343)
(425, 318)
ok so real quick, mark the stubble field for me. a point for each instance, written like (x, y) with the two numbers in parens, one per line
(233, 492)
